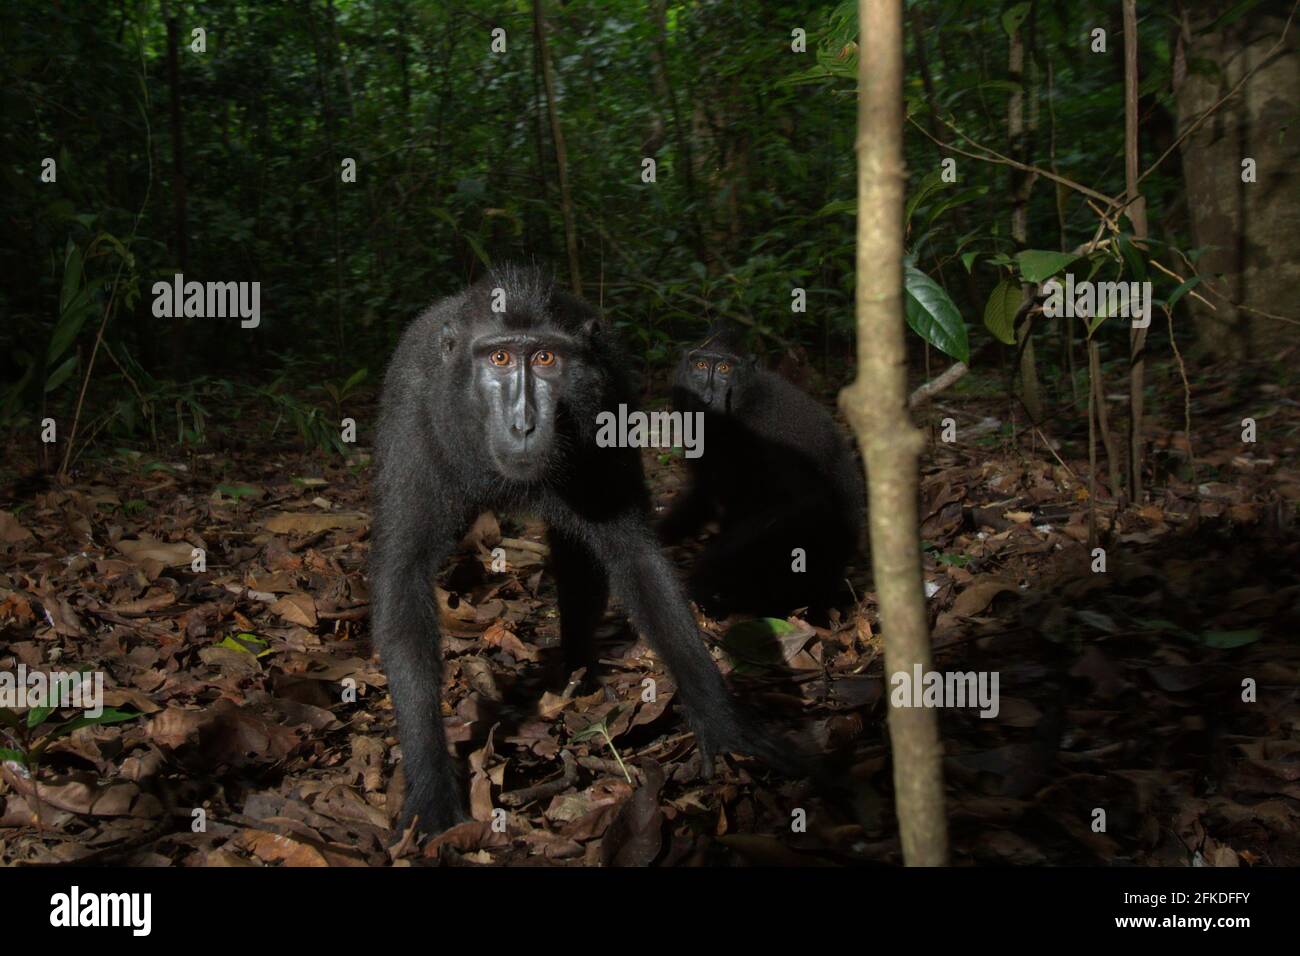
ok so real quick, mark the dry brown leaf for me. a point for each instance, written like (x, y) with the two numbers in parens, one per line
(310, 522)
(276, 848)
(117, 696)
(297, 608)
(170, 554)
(12, 531)
(980, 595)
(150, 602)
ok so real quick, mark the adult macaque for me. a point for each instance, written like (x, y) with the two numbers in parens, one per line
(779, 477)
(490, 402)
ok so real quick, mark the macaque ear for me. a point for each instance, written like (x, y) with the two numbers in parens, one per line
(447, 339)
(593, 326)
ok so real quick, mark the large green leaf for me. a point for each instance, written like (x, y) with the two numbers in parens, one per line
(965, 196)
(74, 305)
(931, 184)
(1000, 311)
(1039, 264)
(60, 374)
(933, 316)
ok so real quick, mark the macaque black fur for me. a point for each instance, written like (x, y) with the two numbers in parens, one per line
(777, 474)
(497, 410)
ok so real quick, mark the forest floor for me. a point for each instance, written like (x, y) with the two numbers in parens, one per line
(1164, 692)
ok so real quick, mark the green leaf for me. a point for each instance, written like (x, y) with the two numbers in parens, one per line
(236, 491)
(109, 716)
(1234, 13)
(965, 196)
(968, 259)
(1094, 323)
(930, 184)
(248, 643)
(933, 316)
(17, 756)
(71, 275)
(1013, 17)
(69, 325)
(1133, 256)
(836, 206)
(37, 716)
(60, 374)
(757, 643)
(588, 732)
(1160, 624)
(997, 86)
(1225, 640)
(1039, 264)
(1000, 311)
(1182, 290)
(598, 728)
(355, 379)
(478, 250)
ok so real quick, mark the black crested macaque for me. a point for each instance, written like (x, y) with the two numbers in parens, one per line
(777, 474)
(490, 402)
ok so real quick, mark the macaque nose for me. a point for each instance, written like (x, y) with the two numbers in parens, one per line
(523, 427)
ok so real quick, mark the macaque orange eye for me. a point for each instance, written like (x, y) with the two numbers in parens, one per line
(724, 367)
(544, 358)
(701, 365)
(500, 357)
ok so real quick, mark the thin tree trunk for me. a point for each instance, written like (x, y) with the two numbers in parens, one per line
(561, 157)
(1137, 214)
(932, 121)
(876, 406)
(178, 330)
(331, 138)
(664, 90)
(178, 145)
(1098, 387)
(403, 64)
(1022, 185)
(1060, 195)
(543, 183)
(337, 62)
(1092, 455)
